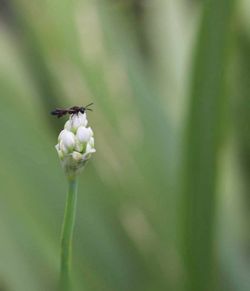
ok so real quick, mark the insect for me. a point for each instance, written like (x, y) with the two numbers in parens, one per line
(72, 110)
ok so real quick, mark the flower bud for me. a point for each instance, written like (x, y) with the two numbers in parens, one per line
(75, 144)
(78, 120)
(83, 134)
(66, 141)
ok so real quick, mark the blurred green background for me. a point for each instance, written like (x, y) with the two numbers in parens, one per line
(164, 204)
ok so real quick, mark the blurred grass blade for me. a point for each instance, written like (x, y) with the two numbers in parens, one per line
(35, 59)
(207, 103)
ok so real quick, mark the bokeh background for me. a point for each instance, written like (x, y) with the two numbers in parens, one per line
(164, 204)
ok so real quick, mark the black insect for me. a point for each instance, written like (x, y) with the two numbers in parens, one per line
(72, 110)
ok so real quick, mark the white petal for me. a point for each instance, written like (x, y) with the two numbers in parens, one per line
(63, 148)
(79, 146)
(78, 120)
(83, 134)
(84, 120)
(67, 138)
(61, 134)
(91, 131)
(60, 153)
(90, 149)
(92, 141)
(68, 125)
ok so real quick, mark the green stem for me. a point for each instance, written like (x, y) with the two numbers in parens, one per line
(67, 234)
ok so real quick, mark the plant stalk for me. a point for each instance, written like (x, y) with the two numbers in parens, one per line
(67, 235)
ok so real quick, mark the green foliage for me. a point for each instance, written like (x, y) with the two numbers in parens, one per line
(163, 204)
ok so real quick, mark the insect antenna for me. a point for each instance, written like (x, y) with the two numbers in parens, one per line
(86, 107)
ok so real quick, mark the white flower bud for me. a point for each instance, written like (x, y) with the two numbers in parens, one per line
(66, 140)
(83, 134)
(78, 120)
